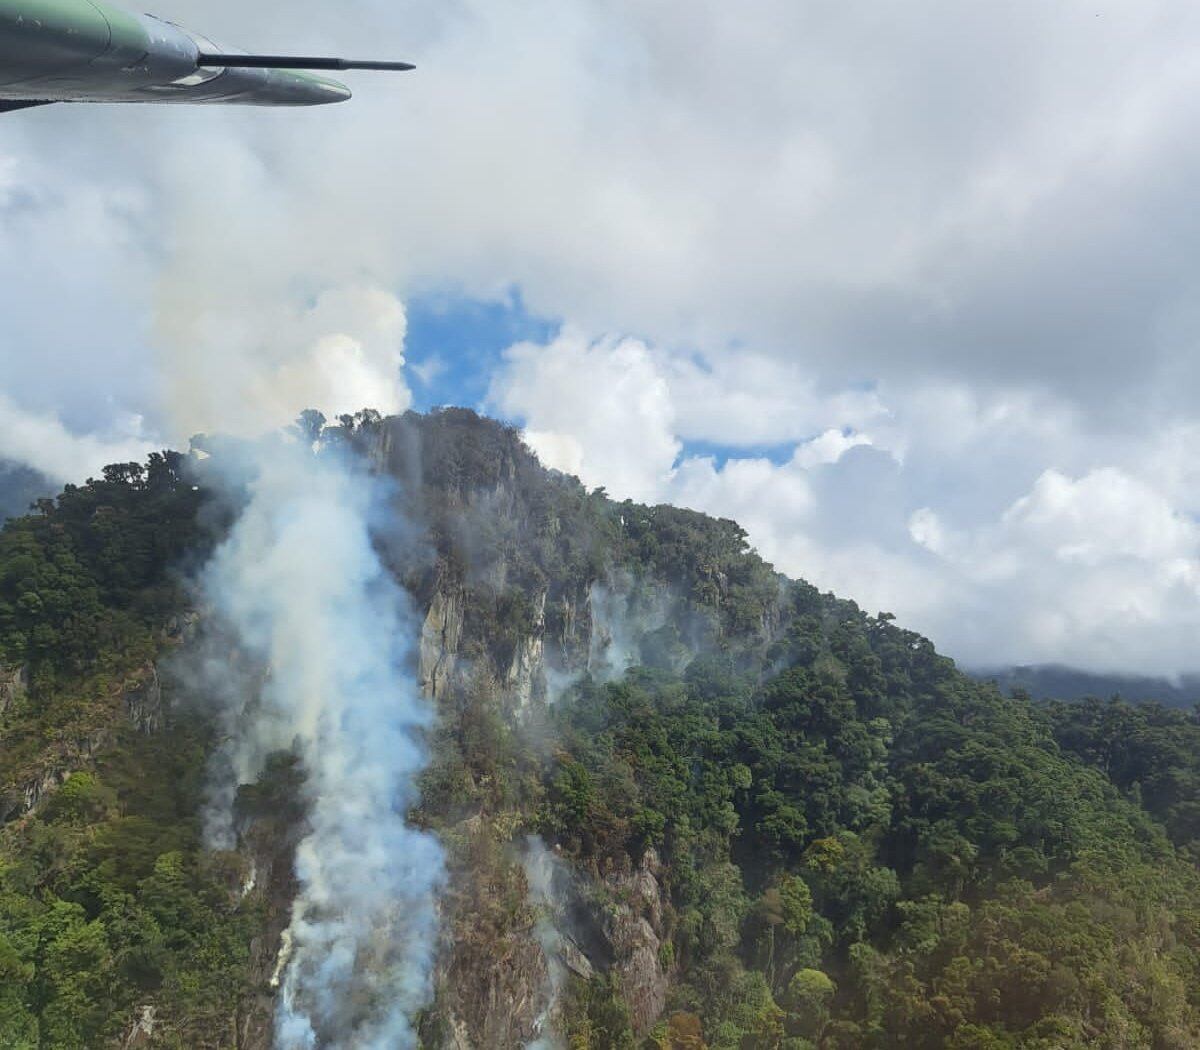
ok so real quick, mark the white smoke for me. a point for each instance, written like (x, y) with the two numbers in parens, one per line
(540, 868)
(623, 611)
(300, 583)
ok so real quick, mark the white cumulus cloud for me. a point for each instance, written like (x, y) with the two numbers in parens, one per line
(1090, 563)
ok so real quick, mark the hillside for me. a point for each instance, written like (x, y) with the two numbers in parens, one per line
(684, 801)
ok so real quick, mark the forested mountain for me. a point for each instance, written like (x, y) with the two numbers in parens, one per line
(1055, 682)
(685, 802)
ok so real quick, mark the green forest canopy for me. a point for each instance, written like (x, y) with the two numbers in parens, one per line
(860, 846)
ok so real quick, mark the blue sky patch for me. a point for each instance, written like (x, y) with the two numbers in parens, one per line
(455, 343)
(778, 454)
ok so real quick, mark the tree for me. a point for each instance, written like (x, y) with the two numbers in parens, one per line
(796, 904)
(309, 425)
(18, 1026)
(683, 1031)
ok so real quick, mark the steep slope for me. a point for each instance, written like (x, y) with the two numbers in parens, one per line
(684, 801)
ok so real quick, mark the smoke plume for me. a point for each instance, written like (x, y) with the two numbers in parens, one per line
(540, 868)
(302, 587)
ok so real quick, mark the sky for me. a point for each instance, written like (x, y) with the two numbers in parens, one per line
(907, 289)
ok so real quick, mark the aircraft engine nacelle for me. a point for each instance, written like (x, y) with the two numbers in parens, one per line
(49, 38)
(49, 47)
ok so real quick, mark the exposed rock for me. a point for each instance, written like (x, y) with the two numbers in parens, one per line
(486, 496)
(621, 612)
(491, 974)
(574, 960)
(142, 1032)
(14, 683)
(526, 673)
(441, 634)
(267, 844)
(569, 623)
(548, 882)
(457, 1036)
(497, 995)
(638, 965)
(181, 627)
(38, 788)
(143, 702)
(525, 678)
(634, 928)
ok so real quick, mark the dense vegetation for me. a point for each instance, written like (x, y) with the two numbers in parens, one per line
(85, 581)
(107, 899)
(857, 845)
(1150, 752)
(88, 586)
(872, 850)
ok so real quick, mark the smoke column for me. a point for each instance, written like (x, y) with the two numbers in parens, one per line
(540, 864)
(301, 585)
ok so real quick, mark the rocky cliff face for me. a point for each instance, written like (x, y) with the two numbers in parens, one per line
(524, 592)
(491, 972)
(525, 679)
(136, 701)
(634, 928)
(144, 702)
(14, 684)
(495, 973)
(272, 830)
(441, 636)
(779, 811)
(525, 584)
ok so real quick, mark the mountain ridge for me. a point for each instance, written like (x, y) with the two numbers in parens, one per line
(1062, 682)
(689, 802)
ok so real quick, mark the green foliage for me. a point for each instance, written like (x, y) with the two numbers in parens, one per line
(871, 850)
(1150, 752)
(108, 902)
(859, 847)
(809, 993)
(796, 904)
(84, 581)
(599, 1016)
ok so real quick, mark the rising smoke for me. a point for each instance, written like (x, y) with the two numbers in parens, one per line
(302, 588)
(540, 867)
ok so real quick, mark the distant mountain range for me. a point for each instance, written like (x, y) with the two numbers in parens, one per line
(19, 487)
(1057, 682)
